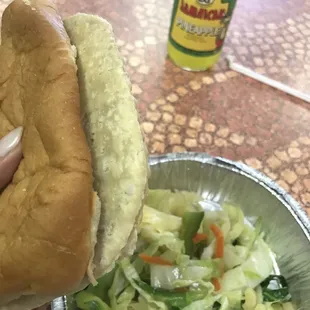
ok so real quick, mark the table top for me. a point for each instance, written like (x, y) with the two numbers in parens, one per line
(220, 111)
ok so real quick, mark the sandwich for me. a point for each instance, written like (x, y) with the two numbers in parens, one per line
(74, 204)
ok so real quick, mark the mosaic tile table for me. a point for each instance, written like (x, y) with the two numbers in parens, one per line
(220, 111)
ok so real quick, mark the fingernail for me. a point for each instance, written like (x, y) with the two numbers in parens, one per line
(10, 141)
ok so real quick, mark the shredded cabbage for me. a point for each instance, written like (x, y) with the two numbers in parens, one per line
(124, 300)
(164, 276)
(133, 277)
(173, 203)
(206, 304)
(182, 263)
(259, 265)
(160, 221)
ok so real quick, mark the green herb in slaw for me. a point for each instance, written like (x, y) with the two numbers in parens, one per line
(191, 259)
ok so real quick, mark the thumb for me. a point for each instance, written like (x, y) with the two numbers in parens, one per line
(10, 155)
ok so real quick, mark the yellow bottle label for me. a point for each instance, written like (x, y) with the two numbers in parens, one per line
(199, 27)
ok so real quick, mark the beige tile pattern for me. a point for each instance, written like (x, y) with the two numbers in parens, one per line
(220, 111)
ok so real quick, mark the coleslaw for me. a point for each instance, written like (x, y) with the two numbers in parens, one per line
(193, 258)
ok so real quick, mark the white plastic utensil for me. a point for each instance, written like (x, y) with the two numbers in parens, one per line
(263, 79)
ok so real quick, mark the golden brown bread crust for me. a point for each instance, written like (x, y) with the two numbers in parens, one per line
(45, 214)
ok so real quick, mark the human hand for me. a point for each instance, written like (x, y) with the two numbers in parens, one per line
(10, 155)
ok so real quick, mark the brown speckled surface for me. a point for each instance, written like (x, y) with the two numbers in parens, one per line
(220, 111)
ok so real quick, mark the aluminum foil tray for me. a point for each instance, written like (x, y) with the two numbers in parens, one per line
(285, 223)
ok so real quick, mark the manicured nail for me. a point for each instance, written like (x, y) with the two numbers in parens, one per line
(10, 141)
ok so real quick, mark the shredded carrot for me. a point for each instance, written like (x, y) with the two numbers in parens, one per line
(155, 260)
(200, 237)
(219, 250)
(222, 268)
(216, 283)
